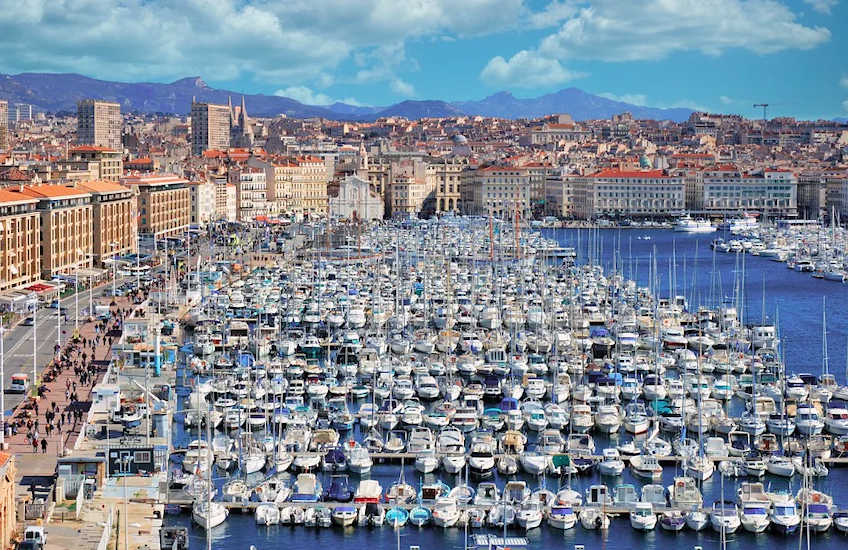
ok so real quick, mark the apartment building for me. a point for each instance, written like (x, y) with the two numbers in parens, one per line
(309, 186)
(251, 192)
(210, 127)
(110, 163)
(444, 177)
(113, 206)
(559, 197)
(66, 227)
(279, 176)
(499, 190)
(20, 239)
(406, 196)
(203, 202)
(774, 192)
(8, 508)
(614, 192)
(231, 213)
(99, 123)
(4, 125)
(164, 203)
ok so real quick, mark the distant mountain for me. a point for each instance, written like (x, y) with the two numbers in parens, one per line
(60, 92)
(579, 104)
(420, 109)
(841, 120)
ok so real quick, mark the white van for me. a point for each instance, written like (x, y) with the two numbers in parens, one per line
(20, 383)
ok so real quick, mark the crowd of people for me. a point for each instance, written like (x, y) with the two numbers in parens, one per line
(79, 355)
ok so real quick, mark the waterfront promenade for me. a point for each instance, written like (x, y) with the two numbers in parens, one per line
(57, 394)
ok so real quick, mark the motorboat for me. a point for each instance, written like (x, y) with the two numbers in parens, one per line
(724, 517)
(646, 467)
(642, 517)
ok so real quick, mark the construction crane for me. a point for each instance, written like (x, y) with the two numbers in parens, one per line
(764, 106)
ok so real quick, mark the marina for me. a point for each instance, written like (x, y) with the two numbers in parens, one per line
(434, 381)
(399, 356)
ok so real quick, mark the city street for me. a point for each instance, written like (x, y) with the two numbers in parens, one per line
(18, 342)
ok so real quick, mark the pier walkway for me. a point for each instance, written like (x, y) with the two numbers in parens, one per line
(32, 461)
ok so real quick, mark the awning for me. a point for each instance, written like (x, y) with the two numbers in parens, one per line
(40, 288)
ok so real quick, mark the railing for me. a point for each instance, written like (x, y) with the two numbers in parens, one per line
(80, 500)
(35, 510)
(107, 531)
(73, 483)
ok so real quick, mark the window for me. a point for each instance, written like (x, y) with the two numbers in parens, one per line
(142, 457)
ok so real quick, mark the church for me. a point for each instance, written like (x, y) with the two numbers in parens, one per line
(356, 200)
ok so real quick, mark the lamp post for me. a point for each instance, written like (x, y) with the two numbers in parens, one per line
(58, 322)
(114, 245)
(34, 302)
(76, 294)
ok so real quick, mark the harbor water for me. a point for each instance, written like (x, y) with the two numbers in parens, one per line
(685, 265)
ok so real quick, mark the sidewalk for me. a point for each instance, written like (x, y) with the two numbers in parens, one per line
(34, 461)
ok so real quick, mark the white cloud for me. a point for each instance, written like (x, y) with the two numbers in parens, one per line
(633, 99)
(296, 41)
(725, 100)
(845, 105)
(402, 88)
(526, 69)
(843, 81)
(305, 95)
(309, 97)
(609, 30)
(822, 6)
(552, 15)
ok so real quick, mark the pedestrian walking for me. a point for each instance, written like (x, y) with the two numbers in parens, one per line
(35, 444)
(44, 446)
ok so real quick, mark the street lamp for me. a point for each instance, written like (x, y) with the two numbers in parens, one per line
(114, 245)
(34, 301)
(76, 293)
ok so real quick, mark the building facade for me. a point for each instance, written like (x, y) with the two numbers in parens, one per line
(559, 197)
(773, 192)
(614, 192)
(497, 190)
(110, 164)
(20, 239)
(114, 227)
(406, 196)
(66, 227)
(309, 186)
(163, 201)
(210, 127)
(99, 123)
(203, 202)
(444, 177)
(8, 510)
(4, 125)
(356, 200)
(251, 192)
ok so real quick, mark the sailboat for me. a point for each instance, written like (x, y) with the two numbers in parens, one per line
(206, 513)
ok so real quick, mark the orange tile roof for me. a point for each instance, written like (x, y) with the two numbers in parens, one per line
(102, 186)
(91, 149)
(8, 195)
(14, 174)
(616, 173)
(50, 191)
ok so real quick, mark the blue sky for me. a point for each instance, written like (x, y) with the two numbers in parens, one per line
(720, 55)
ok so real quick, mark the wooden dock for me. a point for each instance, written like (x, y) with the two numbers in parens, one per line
(410, 457)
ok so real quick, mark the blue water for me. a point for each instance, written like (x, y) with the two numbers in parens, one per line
(797, 296)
